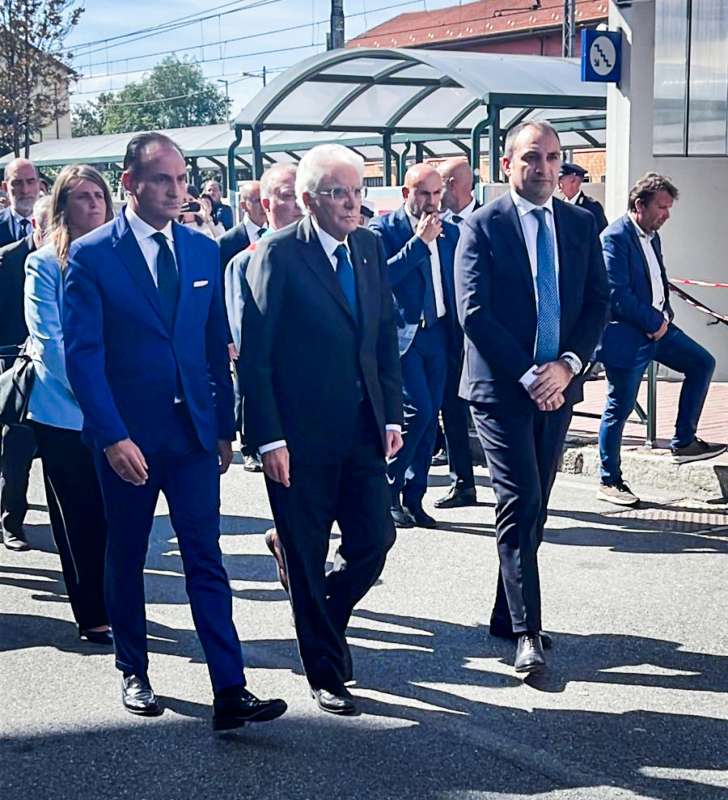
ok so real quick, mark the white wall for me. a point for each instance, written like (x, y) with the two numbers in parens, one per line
(695, 239)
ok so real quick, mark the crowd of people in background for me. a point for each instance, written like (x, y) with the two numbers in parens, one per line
(331, 340)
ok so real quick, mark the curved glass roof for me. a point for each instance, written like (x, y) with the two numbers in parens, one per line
(415, 91)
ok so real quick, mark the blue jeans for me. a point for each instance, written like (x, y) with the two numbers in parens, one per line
(677, 351)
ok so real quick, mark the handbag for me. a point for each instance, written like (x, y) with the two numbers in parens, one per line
(16, 383)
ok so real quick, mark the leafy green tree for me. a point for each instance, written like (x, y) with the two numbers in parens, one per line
(174, 95)
(34, 75)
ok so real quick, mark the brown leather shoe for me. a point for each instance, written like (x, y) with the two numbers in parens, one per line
(273, 543)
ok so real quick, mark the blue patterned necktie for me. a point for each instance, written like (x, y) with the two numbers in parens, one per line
(345, 275)
(23, 229)
(167, 280)
(549, 308)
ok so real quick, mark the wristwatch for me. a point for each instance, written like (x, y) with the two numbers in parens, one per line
(571, 363)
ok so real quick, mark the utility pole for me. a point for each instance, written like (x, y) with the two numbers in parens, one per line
(568, 29)
(335, 39)
(227, 97)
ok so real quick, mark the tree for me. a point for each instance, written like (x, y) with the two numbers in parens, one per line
(34, 75)
(174, 95)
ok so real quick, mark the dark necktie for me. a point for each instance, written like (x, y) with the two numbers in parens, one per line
(23, 228)
(167, 280)
(457, 219)
(549, 308)
(261, 231)
(345, 274)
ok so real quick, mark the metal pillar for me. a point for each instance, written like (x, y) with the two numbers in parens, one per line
(402, 163)
(195, 172)
(257, 153)
(568, 29)
(387, 157)
(651, 438)
(475, 135)
(419, 152)
(232, 175)
(494, 147)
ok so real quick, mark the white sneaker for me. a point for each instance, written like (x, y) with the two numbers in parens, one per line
(619, 493)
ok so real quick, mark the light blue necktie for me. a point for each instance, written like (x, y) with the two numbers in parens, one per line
(549, 308)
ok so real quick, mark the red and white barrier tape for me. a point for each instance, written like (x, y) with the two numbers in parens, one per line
(690, 282)
(683, 295)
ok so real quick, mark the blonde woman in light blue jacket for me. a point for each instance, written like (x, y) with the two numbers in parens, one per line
(80, 202)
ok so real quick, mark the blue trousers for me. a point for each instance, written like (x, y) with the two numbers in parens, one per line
(189, 479)
(424, 369)
(677, 351)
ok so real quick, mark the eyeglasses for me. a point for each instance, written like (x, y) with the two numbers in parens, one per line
(339, 193)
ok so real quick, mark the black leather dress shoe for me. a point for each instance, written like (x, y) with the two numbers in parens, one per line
(138, 696)
(96, 637)
(529, 654)
(439, 459)
(401, 517)
(337, 702)
(421, 518)
(234, 712)
(15, 541)
(457, 498)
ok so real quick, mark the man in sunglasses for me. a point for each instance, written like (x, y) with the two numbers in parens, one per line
(324, 406)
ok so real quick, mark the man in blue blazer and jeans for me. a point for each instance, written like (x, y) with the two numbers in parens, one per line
(146, 352)
(642, 330)
(420, 249)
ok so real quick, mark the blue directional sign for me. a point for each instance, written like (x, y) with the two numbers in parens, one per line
(601, 56)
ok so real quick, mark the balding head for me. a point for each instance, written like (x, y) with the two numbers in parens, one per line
(250, 201)
(278, 196)
(21, 184)
(422, 190)
(457, 179)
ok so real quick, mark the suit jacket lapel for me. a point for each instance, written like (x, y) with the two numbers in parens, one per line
(363, 285)
(315, 259)
(512, 233)
(632, 231)
(181, 254)
(127, 248)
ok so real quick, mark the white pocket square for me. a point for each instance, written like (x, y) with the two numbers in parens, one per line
(197, 284)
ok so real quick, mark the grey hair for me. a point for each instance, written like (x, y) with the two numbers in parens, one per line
(272, 176)
(515, 131)
(316, 164)
(42, 214)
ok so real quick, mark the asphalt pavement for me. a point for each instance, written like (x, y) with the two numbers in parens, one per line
(633, 704)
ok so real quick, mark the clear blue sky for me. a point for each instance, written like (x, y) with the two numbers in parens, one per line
(111, 65)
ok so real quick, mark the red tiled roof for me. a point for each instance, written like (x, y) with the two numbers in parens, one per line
(484, 18)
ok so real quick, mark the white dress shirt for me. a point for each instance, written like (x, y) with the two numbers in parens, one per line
(251, 228)
(434, 265)
(329, 245)
(658, 288)
(143, 233)
(529, 226)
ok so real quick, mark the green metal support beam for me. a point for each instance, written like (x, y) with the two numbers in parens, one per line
(402, 163)
(476, 133)
(257, 153)
(494, 147)
(387, 157)
(232, 182)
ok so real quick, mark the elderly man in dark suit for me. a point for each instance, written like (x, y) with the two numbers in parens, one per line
(324, 402)
(641, 330)
(420, 248)
(145, 337)
(532, 298)
(17, 445)
(250, 228)
(571, 178)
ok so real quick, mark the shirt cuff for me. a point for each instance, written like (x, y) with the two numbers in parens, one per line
(266, 448)
(576, 359)
(528, 377)
(397, 428)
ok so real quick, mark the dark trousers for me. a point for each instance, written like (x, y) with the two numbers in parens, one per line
(77, 517)
(352, 492)
(455, 421)
(189, 479)
(677, 351)
(424, 368)
(522, 446)
(246, 448)
(17, 448)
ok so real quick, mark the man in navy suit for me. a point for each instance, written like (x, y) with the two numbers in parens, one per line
(17, 442)
(642, 330)
(146, 350)
(571, 178)
(249, 230)
(532, 298)
(420, 248)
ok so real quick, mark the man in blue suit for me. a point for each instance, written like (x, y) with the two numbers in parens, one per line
(420, 248)
(146, 350)
(642, 329)
(532, 298)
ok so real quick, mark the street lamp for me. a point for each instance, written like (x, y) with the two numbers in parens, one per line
(261, 74)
